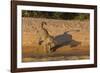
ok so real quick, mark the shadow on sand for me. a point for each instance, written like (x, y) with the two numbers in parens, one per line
(64, 40)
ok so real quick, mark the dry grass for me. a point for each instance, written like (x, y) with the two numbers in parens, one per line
(33, 52)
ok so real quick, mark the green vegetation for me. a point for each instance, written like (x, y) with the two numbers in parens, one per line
(55, 15)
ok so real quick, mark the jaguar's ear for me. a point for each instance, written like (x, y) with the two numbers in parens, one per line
(44, 23)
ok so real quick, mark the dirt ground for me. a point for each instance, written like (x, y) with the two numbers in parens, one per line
(76, 47)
